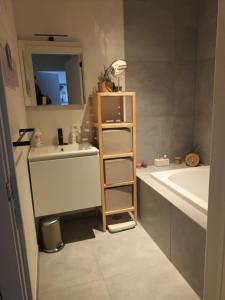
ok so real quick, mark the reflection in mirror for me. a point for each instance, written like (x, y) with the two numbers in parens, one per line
(58, 79)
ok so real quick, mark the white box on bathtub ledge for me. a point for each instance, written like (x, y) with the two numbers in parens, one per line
(161, 162)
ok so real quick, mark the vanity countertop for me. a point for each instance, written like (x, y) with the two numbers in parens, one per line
(49, 152)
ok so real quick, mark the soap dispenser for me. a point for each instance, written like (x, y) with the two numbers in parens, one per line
(73, 134)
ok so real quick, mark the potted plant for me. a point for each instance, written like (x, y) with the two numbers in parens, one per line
(104, 82)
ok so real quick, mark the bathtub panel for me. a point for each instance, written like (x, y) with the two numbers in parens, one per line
(188, 249)
(154, 215)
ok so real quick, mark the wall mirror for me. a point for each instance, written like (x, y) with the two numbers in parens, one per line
(52, 73)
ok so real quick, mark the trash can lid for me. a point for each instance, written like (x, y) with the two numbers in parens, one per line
(49, 221)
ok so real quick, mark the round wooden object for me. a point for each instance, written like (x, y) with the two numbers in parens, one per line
(192, 160)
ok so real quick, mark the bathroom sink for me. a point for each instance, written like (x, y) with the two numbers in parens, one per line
(56, 152)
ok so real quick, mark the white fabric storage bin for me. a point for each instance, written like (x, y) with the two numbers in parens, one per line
(118, 170)
(119, 197)
(117, 141)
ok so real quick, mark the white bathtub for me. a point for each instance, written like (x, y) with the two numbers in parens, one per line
(192, 184)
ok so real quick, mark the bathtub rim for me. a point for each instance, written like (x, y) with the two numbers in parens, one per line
(163, 178)
(188, 209)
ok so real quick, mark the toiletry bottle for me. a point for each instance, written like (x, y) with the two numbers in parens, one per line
(73, 134)
(37, 138)
(77, 133)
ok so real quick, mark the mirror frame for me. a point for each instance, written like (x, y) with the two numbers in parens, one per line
(27, 48)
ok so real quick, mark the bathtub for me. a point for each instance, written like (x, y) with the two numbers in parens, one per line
(173, 211)
(192, 184)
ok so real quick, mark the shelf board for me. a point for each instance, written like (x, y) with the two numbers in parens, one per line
(119, 211)
(115, 125)
(106, 186)
(116, 94)
(119, 155)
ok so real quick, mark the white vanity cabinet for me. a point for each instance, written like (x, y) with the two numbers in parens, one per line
(65, 184)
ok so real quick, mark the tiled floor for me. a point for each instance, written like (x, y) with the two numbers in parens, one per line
(104, 266)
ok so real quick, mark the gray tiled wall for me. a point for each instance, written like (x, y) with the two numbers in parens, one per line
(160, 48)
(207, 21)
(174, 89)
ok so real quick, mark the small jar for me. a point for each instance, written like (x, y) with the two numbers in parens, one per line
(178, 160)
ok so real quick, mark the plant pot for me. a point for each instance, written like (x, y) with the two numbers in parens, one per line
(105, 86)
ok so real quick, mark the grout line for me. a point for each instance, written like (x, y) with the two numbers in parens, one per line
(90, 246)
(156, 249)
(47, 291)
(100, 270)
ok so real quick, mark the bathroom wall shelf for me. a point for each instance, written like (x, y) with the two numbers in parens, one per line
(116, 108)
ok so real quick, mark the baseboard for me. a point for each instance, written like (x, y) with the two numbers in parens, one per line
(36, 284)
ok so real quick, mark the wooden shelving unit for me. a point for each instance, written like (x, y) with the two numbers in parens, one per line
(101, 124)
(119, 155)
(115, 125)
(124, 183)
(119, 211)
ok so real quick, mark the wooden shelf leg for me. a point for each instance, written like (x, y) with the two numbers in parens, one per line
(103, 222)
(135, 216)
